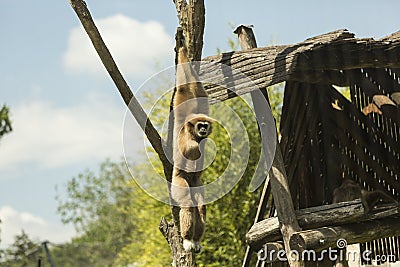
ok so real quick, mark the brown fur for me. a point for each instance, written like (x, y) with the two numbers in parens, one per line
(192, 125)
(350, 190)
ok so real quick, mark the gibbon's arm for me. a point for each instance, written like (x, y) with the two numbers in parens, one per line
(185, 75)
(188, 85)
(189, 148)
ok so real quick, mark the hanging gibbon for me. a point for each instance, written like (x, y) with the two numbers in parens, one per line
(191, 126)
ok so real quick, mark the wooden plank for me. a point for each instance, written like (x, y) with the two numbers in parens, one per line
(300, 108)
(283, 203)
(333, 214)
(335, 51)
(326, 237)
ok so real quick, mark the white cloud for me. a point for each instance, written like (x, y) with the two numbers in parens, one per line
(52, 136)
(13, 222)
(136, 47)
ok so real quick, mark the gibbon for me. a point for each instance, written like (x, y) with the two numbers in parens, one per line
(191, 126)
(350, 190)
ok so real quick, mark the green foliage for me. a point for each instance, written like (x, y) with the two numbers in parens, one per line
(23, 252)
(117, 220)
(345, 91)
(275, 95)
(5, 122)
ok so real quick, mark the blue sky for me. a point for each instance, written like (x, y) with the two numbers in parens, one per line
(67, 114)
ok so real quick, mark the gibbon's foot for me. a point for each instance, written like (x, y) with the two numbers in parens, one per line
(197, 247)
(188, 245)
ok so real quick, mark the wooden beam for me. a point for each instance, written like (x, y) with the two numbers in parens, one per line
(279, 185)
(326, 237)
(321, 57)
(309, 218)
(130, 100)
(283, 202)
(247, 41)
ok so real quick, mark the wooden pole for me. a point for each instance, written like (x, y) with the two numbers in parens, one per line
(270, 252)
(247, 41)
(130, 100)
(171, 230)
(191, 19)
(280, 188)
(49, 258)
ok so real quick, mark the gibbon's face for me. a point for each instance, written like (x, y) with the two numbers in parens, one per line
(199, 126)
(202, 129)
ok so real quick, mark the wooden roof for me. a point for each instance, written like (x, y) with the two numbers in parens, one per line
(307, 61)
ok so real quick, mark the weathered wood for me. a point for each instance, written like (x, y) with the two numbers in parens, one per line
(246, 37)
(192, 20)
(325, 237)
(278, 179)
(247, 41)
(352, 126)
(283, 203)
(309, 218)
(314, 60)
(170, 232)
(396, 98)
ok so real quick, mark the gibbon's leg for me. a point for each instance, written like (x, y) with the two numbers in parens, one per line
(199, 216)
(187, 221)
(180, 193)
(200, 213)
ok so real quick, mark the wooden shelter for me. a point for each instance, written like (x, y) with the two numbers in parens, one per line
(326, 137)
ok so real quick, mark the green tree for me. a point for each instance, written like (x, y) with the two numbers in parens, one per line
(99, 206)
(5, 122)
(23, 252)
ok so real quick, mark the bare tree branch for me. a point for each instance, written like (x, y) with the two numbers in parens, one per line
(191, 18)
(130, 100)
